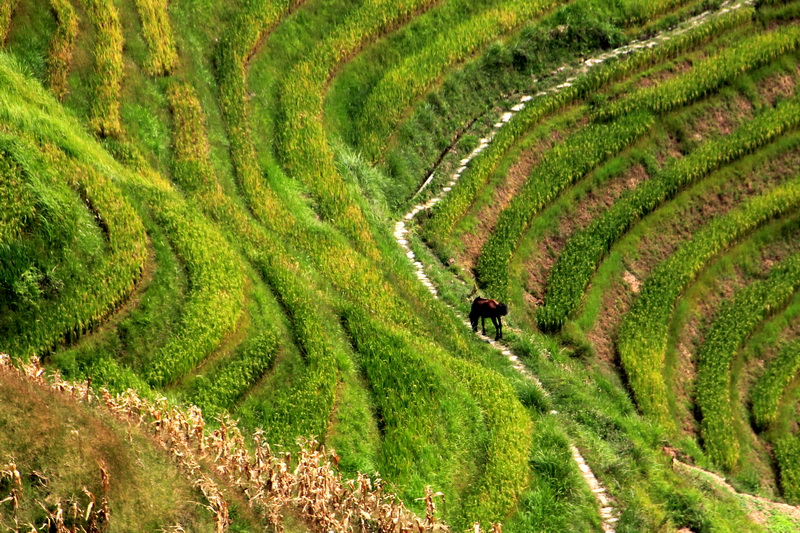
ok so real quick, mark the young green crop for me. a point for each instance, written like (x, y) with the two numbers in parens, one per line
(446, 213)
(640, 11)
(586, 249)
(560, 167)
(772, 384)
(217, 286)
(399, 87)
(709, 74)
(107, 74)
(235, 47)
(787, 455)
(59, 56)
(733, 323)
(502, 481)
(642, 340)
(158, 35)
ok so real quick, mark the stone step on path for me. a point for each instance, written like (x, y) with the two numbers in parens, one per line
(607, 510)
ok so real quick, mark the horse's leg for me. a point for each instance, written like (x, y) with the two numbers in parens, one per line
(483, 324)
(499, 328)
(498, 334)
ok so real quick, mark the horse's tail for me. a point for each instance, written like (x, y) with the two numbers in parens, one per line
(502, 309)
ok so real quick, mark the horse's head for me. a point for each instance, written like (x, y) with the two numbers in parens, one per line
(502, 309)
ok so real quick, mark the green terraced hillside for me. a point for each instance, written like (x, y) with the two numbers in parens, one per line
(280, 212)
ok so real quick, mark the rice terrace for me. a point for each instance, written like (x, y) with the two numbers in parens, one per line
(248, 250)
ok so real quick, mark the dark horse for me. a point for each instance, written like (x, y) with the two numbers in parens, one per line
(483, 308)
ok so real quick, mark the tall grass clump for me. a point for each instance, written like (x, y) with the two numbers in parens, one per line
(56, 281)
(446, 213)
(787, 455)
(772, 384)
(62, 44)
(560, 167)
(158, 35)
(586, 248)
(642, 340)
(106, 81)
(709, 74)
(734, 322)
(399, 87)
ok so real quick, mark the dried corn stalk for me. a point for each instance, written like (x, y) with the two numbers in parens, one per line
(307, 484)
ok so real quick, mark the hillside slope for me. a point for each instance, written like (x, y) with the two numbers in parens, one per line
(216, 203)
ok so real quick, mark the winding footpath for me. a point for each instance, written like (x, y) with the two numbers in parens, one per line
(569, 73)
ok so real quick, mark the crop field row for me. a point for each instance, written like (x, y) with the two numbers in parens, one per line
(708, 75)
(406, 82)
(771, 385)
(107, 75)
(496, 253)
(36, 328)
(6, 11)
(62, 44)
(158, 34)
(735, 321)
(642, 337)
(455, 205)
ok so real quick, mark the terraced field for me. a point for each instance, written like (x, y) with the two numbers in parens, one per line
(280, 212)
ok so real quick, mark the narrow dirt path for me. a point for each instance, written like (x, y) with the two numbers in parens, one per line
(755, 504)
(608, 510)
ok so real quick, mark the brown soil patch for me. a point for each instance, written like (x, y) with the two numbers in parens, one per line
(776, 86)
(514, 180)
(616, 302)
(632, 281)
(720, 119)
(667, 150)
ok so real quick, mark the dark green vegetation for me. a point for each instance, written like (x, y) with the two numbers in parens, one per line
(197, 199)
